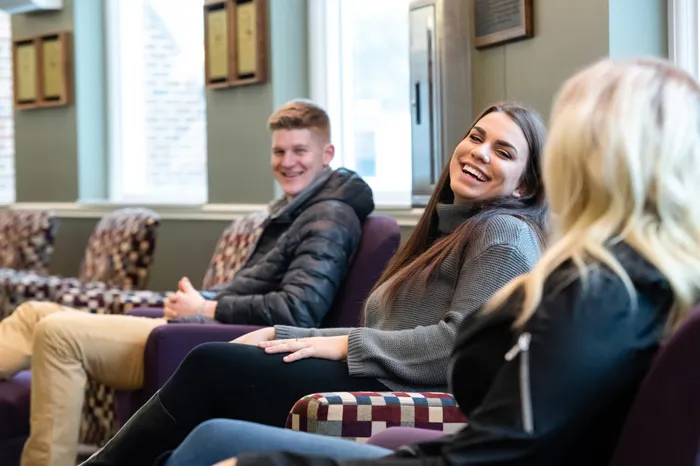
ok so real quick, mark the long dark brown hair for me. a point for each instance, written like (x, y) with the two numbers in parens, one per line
(424, 251)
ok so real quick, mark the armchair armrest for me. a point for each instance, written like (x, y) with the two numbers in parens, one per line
(109, 300)
(151, 312)
(168, 345)
(359, 415)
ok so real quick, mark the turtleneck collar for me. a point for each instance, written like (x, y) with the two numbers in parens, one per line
(450, 216)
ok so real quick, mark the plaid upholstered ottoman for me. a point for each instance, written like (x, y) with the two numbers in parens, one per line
(359, 415)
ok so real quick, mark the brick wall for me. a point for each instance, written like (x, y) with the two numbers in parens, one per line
(175, 113)
(7, 127)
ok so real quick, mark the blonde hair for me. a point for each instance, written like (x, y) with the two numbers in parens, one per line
(302, 114)
(621, 164)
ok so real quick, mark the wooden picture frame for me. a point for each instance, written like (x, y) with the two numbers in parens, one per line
(25, 75)
(42, 71)
(55, 69)
(217, 43)
(242, 58)
(249, 29)
(501, 21)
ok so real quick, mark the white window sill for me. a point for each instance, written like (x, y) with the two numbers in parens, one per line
(405, 217)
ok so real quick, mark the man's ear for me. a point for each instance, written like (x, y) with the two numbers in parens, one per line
(328, 154)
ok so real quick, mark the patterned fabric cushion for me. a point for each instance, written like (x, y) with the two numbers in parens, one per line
(359, 415)
(119, 254)
(26, 240)
(37, 233)
(120, 251)
(110, 300)
(235, 246)
(9, 242)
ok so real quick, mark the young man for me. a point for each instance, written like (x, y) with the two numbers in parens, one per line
(291, 278)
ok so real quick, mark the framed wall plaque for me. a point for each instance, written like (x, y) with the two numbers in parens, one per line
(500, 21)
(55, 69)
(41, 71)
(25, 75)
(217, 42)
(235, 42)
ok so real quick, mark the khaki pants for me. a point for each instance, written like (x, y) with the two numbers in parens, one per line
(64, 346)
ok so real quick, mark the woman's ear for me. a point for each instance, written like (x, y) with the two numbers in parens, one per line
(518, 193)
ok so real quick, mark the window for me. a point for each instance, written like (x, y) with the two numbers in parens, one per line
(157, 102)
(684, 34)
(7, 126)
(359, 53)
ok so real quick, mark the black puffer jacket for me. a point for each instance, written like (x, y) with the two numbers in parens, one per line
(302, 256)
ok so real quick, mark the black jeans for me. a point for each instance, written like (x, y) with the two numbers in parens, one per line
(234, 381)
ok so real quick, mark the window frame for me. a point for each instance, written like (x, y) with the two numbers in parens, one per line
(117, 133)
(684, 35)
(126, 138)
(325, 64)
(12, 192)
(328, 40)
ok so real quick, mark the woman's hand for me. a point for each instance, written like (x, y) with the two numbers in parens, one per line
(333, 348)
(256, 337)
(187, 301)
(228, 462)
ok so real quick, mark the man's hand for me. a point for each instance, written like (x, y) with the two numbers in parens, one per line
(333, 348)
(256, 337)
(187, 301)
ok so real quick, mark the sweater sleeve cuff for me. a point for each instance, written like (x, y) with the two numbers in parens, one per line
(286, 332)
(356, 353)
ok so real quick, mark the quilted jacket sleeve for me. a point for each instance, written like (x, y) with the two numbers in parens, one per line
(318, 254)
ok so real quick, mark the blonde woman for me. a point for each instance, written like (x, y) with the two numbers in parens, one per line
(547, 372)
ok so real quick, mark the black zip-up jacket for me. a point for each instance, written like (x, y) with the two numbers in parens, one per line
(302, 256)
(563, 395)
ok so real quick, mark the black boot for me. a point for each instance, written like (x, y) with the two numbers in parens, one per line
(149, 433)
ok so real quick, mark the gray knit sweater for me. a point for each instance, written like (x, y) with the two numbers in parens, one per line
(407, 345)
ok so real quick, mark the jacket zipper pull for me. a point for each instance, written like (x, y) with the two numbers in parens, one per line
(523, 344)
(522, 347)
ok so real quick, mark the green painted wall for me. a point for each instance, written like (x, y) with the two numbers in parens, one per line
(46, 162)
(569, 35)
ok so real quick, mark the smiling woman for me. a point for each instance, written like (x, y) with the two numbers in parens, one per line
(490, 161)
(456, 259)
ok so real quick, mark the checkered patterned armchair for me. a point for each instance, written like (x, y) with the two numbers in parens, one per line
(119, 253)
(359, 415)
(26, 241)
(231, 251)
(99, 421)
(26, 246)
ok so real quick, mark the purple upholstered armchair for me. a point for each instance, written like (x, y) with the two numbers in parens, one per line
(663, 425)
(169, 344)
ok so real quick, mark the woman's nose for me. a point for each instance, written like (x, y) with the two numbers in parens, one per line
(481, 152)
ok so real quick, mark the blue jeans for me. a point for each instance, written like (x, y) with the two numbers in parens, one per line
(220, 439)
